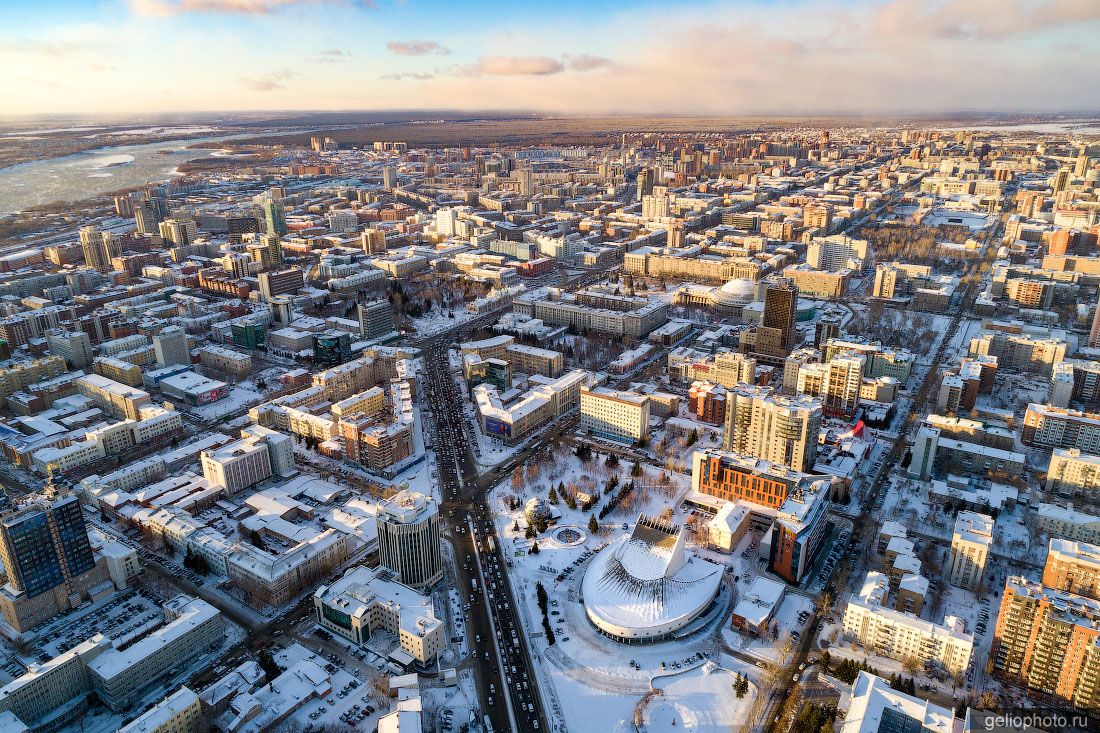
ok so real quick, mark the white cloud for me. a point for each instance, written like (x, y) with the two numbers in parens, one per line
(510, 66)
(159, 8)
(272, 80)
(333, 56)
(587, 62)
(407, 75)
(417, 48)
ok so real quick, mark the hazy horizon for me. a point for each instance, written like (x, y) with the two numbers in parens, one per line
(274, 116)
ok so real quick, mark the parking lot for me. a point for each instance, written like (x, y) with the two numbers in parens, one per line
(350, 702)
(123, 617)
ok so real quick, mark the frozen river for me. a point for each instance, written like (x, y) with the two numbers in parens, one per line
(95, 172)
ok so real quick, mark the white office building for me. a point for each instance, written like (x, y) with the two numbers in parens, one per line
(614, 414)
(409, 537)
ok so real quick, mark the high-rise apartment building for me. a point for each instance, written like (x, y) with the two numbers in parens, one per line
(1047, 641)
(99, 248)
(818, 216)
(75, 347)
(774, 339)
(280, 282)
(237, 264)
(1061, 180)
(409, 538)
(274, 216)
(1081, 165)
(375, 319)
(732, 368)
(374, 444)
(124, 206)
(1094, 331)
(525, 180)
(707, 401)
(237, 226)
(1053, 427)
(180, 232)
(389, 177)
(778, 428)
(260, 454)
(342, 221)
(274, 244)
(48, 560)
(373, 241)
(170, 346)
(837, 252)
(656, 205)
(842, 381)
(645, 183)
(970, 545)
(45, 545)
(676, 233)
(1074, 474)
(780, 304)
(828, 327)
(1073, 566)
(150, 210)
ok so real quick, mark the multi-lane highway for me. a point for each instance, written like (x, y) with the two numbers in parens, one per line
(506, 679)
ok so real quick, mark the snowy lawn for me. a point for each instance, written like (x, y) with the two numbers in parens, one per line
(699, 700)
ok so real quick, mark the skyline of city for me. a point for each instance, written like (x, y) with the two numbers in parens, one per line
(873, 57)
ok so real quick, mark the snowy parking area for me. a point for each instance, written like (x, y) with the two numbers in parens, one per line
(457, 614)
(123, 617)
(348, 703)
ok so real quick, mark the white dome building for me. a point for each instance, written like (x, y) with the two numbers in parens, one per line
(736, 293)
(645, 587)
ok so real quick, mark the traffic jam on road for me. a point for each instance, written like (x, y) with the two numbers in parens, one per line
(490, 612)
(509, 649)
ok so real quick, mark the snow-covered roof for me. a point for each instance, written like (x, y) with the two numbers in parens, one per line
(760, 600)
(872, 695)
(162, 714)
(645, 581)
(114, 661)
(361, 590)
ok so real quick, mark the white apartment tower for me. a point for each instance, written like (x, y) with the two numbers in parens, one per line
(843, 378)
(774, 427)
(260, 454)
(389, 178)
(970, 543)
(73, 346)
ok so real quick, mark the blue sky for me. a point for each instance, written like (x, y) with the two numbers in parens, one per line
(719, 57)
